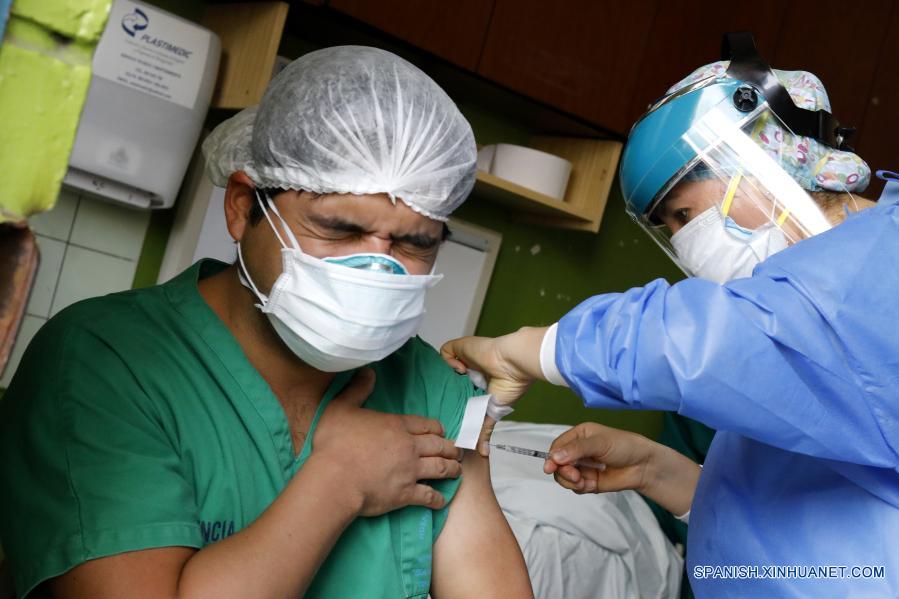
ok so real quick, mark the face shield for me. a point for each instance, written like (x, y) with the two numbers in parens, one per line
(732, 205)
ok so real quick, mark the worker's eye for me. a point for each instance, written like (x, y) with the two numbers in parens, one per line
(682, 216)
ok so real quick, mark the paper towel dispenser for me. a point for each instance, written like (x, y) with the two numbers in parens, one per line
(153, 77)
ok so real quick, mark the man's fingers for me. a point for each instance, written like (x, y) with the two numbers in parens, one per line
(358, 389)
(486, 434)
(426, 496)
(437, 446)
(438, 468)
(419, 425)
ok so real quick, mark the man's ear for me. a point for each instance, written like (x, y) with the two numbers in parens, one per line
(239, 198)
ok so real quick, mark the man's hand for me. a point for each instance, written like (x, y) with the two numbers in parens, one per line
(382, 455)
(511, 364)
(632, 462)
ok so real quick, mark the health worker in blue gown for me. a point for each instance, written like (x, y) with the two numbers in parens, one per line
(784, 338)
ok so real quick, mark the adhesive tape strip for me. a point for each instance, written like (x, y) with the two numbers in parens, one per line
(472, 422)
(473, 419)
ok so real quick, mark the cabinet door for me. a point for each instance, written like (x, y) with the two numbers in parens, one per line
(878, 140)
(840, 43)
(687, 34)
(452, 30)
(581, 56)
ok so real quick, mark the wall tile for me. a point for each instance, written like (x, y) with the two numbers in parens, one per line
(86, 273)
(110, 228)
(57, 223)
(52, 252)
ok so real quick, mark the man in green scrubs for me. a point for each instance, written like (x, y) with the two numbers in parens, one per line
(178, 441)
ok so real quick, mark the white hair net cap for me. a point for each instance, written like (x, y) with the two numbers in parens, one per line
(352, 119)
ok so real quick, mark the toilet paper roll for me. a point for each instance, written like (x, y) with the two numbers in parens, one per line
(485, 158)
(536, 170)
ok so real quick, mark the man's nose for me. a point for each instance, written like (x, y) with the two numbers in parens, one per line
(378, 245)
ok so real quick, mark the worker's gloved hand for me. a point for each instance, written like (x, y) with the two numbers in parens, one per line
(627, 457)
(384, 455)
(631, 461)
(510, 363)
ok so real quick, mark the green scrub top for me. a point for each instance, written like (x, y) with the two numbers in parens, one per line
(135, 421)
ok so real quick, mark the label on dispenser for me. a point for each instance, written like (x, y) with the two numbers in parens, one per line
(153, 52)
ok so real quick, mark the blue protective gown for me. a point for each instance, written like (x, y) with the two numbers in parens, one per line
(797, 367)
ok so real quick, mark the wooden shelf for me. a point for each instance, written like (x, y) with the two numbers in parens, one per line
(593, 168)
(515, 196)
(250, 33)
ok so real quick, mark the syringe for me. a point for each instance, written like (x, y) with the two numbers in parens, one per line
(545, 455)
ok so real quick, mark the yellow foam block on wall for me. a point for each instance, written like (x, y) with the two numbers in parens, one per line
(79, 19)
(43, 85)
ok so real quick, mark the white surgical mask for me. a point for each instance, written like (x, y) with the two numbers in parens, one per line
(335, 316)
(714, 247)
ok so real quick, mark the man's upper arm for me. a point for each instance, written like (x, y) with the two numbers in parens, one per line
(476, 543)
(150, 574)
(87, 471)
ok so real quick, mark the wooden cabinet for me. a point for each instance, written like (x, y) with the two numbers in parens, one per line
(606, 61)
(686, 34)
(580, 55)
(878, 140)
(452, 30)
(841, 46)
(601, 61)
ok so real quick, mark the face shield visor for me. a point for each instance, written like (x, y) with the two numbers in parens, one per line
(732, 205)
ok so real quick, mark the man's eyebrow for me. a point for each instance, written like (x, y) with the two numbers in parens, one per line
(335, 223)
(424, 242)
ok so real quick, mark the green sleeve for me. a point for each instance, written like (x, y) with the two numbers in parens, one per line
(448, 394)
(87, 470)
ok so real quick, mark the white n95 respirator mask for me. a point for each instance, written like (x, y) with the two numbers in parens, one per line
(344, 312)
(716, 248)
